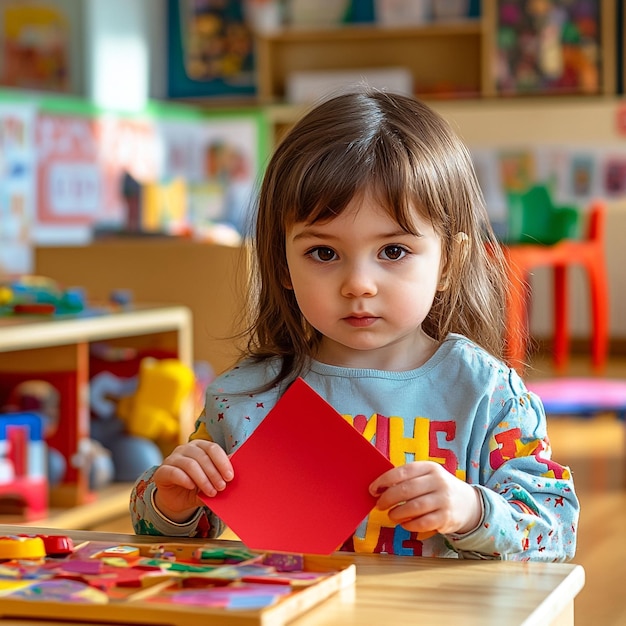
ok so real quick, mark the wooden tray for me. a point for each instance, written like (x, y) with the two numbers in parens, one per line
(150, 600)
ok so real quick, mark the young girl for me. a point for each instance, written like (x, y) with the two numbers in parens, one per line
(380, 283)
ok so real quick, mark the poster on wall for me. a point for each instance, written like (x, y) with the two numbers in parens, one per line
(614, 174)
(485, 163)
(17, 187)
(220, 159)
(35, 46)
(575, 174)
(126, 145)
(210, 50)
(549, 47)
(517, 169)
(81, 163)
(582, 175)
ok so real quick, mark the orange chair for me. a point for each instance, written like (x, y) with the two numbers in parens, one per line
(588, 253)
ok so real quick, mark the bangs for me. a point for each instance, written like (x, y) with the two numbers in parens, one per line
(383, 167)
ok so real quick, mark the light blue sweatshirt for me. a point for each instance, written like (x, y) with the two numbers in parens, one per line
(463, 409)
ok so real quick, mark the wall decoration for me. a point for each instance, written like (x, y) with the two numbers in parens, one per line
(517, 169)
(575, 174)
(210, 50)
(34, 46)
(552, 46)
(81, 160)
(220, 159)
(582, 174)
(17, 187)
(63, 164)
(614, 175)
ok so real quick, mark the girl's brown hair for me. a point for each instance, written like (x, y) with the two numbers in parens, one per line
(401, 150)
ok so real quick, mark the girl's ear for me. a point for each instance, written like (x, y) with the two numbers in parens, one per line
(460, 250)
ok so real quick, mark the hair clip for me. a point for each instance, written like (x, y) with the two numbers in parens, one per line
(460, 237)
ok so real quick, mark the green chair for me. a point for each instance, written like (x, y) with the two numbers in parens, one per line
(534, 218)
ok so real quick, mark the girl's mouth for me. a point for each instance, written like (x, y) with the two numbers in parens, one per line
(360, 321)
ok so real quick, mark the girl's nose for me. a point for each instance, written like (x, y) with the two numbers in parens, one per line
(358, 283)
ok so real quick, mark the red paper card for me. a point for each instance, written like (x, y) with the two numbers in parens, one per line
(301, 479)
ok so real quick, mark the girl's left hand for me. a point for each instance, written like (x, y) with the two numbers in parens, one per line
(423, 496)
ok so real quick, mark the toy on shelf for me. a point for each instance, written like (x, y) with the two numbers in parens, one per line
(153, 411)
(23, 481)
(154, 208)
(43, 398)
(135, 414)
(151, 416)
(38, 295)
(72, 393)
(133, 455)
(96, 462)
(136, 400)
(121, 298)
(90, 457)
(105, 391)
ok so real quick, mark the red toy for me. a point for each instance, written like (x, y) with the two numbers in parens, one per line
(23, 480)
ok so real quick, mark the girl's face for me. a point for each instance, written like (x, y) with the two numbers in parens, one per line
(366, 285)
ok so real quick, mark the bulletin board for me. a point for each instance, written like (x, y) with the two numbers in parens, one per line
(62, 163)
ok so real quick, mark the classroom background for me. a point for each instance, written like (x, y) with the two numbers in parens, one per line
(133, 134)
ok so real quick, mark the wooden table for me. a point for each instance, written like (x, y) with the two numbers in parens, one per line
(423, 591)
(33, 346)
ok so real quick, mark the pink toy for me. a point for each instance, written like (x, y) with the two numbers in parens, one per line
(581, 396)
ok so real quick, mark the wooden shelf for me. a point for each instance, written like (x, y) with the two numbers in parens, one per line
(441, 57)
(453, 61)
(56, 349)
(370, 32)
(23, 333)
(108, 503)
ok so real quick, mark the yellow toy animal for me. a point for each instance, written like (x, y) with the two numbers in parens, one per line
(153, 411)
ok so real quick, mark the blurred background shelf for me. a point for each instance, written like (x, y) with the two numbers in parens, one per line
(108, 507)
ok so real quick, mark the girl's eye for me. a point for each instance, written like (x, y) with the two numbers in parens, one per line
(323, 254)
(393, 253)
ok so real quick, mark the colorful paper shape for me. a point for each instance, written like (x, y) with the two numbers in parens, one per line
(301, 479)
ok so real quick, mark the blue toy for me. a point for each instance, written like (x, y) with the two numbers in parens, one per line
(38, 295)
(133, 455)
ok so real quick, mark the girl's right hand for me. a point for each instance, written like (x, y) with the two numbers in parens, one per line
(195, 467)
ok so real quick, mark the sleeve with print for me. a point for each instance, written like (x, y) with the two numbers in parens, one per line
(530, 507)
(148, 520)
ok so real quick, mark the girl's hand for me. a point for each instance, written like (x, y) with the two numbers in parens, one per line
(423, 496)
(194, 467)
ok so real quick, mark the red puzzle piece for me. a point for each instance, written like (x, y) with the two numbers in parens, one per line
(301, 479)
